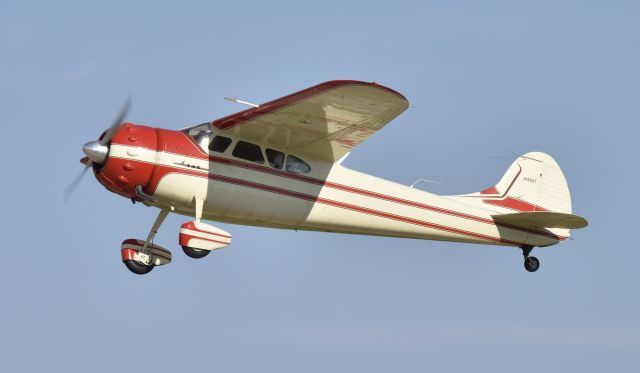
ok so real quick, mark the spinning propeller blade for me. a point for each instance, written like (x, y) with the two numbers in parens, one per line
(116, 123)
(74, 184)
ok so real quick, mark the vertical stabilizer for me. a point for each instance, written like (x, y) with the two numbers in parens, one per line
(533, 182)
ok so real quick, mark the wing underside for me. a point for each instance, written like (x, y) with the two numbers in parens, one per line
(325, 121)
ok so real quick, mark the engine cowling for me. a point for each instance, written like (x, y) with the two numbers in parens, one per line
(130, 161)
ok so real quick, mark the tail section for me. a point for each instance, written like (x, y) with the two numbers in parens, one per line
(534, 182)
(533, 193)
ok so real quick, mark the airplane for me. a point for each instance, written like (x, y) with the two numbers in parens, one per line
(279, 165)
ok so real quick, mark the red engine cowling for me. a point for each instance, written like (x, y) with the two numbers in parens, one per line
(122, 173)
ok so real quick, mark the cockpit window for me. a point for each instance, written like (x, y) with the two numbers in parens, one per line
(275, 158)
(200, 134)
(219, 144)
(248, 151)
(194, 131)
(296, 165)
(202, 139)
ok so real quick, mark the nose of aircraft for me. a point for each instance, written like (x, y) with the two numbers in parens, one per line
(96, 152)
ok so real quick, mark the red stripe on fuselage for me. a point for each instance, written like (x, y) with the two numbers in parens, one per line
(515, 204)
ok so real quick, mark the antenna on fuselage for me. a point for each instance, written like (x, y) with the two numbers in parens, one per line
(426, 181)
(235, 99)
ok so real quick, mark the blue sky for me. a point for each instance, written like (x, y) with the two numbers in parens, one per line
(485, 79)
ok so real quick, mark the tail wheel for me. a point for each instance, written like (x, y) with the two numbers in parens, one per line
(531, 263)
(195, 253)
(137, 267)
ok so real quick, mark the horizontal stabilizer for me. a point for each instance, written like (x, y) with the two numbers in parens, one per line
(543, 219)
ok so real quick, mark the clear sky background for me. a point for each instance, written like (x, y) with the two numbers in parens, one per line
(486, 79)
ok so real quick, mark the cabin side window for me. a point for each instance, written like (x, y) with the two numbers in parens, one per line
(296, 165)
(219, 144)
(275, 158)
(248, 151)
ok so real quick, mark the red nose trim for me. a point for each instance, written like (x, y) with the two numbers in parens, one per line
(122, 176)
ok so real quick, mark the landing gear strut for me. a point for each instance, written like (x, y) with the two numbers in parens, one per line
(199, 239)
(193, 252)
(531, 263)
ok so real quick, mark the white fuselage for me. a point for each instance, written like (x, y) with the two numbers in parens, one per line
(330, 198)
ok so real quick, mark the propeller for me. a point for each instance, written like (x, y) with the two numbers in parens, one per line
(74, 184)
(96, 151)
(116, 123)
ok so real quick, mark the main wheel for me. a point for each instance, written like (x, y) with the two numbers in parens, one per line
(195, 253)
(531, 263)
(137, 267)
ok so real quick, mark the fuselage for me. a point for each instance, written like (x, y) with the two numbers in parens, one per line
(173, 168)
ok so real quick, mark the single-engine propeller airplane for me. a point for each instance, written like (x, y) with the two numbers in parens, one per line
(279, 165)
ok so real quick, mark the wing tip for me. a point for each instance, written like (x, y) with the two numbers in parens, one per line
(331, 84)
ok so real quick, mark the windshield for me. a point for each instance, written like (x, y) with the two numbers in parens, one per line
(200, 135)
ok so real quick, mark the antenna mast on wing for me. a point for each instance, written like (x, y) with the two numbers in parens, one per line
(235, 99)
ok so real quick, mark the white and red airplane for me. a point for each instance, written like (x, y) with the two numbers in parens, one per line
(279, 165)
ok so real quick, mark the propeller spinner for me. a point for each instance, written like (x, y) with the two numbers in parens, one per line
(97, 151)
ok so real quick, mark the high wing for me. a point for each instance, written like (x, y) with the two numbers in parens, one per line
(324, 121)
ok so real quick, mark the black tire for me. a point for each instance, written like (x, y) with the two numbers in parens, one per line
(195, 253)
(531, 263)
(137, 267)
